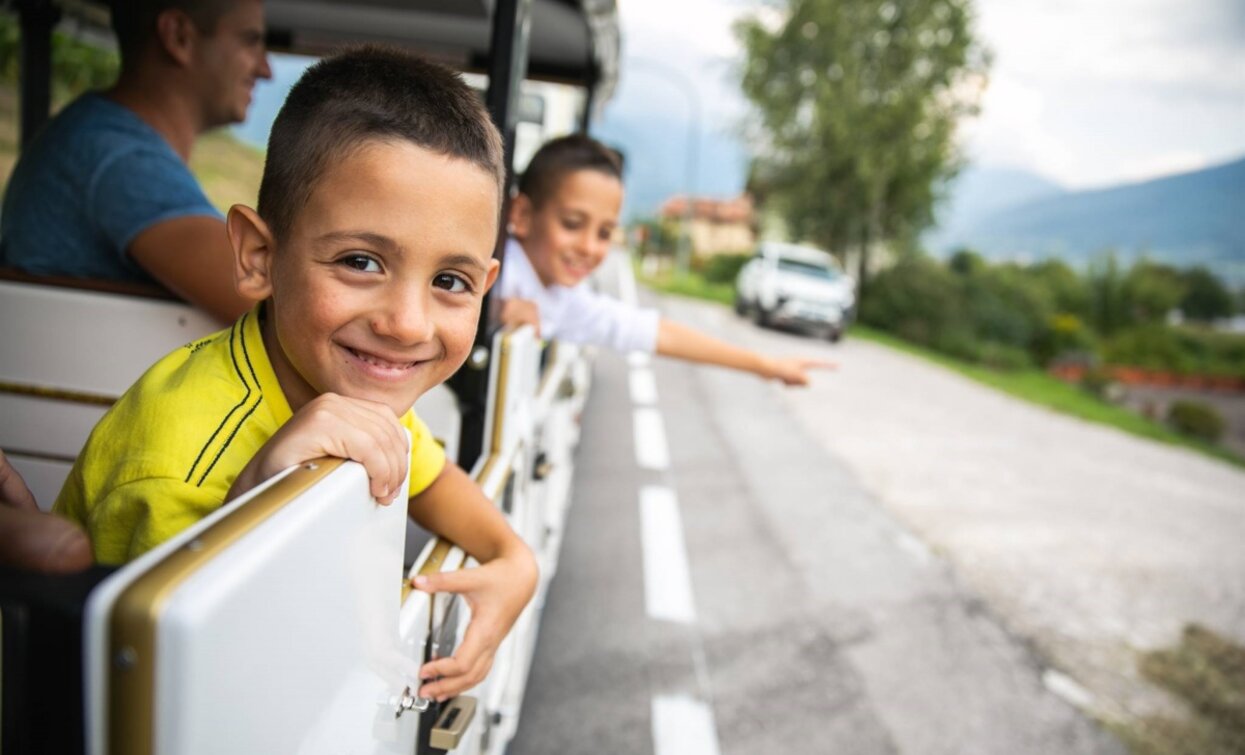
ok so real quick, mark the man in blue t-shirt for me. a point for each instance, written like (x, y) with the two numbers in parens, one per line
(104, 190)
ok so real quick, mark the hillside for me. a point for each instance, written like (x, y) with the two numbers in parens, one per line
(1189, 219)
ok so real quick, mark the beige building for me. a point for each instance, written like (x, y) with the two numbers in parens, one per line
(719, 226)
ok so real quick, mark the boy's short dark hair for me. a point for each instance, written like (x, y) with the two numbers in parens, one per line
(563, 155)
(134, 21)
(363, 95)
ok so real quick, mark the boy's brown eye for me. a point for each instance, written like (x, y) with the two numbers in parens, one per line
(450, 282)
(361, 262)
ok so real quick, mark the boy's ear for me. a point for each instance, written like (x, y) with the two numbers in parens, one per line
(494, 267)
(253, 250)
(520, 216)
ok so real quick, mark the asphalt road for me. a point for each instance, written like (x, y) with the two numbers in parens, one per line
(794, 610)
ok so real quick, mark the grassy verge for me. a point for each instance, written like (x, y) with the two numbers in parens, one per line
(1034, 386)
(1207, 672)
(690, 285)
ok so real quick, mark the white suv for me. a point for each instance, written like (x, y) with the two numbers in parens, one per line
(798, 286)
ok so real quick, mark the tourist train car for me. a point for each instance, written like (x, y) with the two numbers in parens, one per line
(284, 622)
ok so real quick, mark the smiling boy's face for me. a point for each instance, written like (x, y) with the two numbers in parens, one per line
(568, 234)
(376, 292)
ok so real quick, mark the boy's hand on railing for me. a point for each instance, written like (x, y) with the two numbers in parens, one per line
(496, 593)
(341, 427)
(516, 312)
(792, 370)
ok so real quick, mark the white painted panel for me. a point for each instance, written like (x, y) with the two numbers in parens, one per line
(46, 426)
(88, 341)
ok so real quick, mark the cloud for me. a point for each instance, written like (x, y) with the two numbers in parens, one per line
(1087, 92)
(1125, 85)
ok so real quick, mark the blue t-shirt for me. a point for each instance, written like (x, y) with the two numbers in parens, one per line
(94, 178)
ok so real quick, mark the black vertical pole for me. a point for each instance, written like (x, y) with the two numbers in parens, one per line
(37, 17)
(507, 67)
(585, 118)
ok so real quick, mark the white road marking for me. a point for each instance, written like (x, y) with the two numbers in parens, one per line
(914, 546)
(683, 726)
(667, 578)
(643, 387)
(1066, 688)
(651, 451)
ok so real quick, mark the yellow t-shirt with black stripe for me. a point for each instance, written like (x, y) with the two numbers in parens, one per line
(166, 454)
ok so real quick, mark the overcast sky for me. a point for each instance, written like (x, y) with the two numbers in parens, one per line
(1085, 92)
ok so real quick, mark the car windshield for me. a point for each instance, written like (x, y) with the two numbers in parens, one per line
(810, 269)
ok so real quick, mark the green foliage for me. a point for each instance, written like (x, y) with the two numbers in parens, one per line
(921, 301)
(1064, 335)
(1195, 419)
(856, 103)
(660, 237)
(1184, 350)
(1011, 316)
(722, 268)
(76, 66)
(1208, 672)
(1206, 297)
(1151, 291)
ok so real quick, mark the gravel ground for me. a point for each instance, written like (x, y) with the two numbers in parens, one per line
(1088, 543)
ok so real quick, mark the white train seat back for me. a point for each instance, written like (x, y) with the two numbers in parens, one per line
(66, 355)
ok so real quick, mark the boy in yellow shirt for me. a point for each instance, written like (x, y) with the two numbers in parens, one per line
(368, 258)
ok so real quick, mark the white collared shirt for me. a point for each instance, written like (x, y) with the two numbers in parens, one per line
(577, 314)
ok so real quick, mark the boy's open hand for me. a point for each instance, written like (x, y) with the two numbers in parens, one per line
(496, 593)
(345, 428)
(794, 371)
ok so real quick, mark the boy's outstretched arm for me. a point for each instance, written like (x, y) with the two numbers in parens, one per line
(497, 590)
(682, 342)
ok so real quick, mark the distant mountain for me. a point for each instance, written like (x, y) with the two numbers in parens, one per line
(980, 192)
(1195, 218)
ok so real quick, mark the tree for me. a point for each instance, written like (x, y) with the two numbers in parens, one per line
(1151, 291)
(1206, 297)
(856, 104)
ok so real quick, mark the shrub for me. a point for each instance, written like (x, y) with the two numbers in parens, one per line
(722, 268)
(918, 300)
(1063, 334)
(1196, 420)
(1098, 381)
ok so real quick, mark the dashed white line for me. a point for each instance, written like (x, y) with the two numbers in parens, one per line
(1065, 687)
(683, 726)
(651, 451)
(667, 578)
(643, 385)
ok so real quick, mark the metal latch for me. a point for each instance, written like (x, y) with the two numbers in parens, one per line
(409, 700)
(453, 723)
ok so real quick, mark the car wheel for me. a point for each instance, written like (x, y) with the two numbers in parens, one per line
(741, 307)
(835, 334)
(760, 316)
